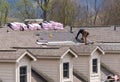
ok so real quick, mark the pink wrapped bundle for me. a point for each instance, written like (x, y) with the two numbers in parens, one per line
(24, 26)
(21, 26)
(36, 26)
(53, 24)
(50, 26)
(31, 27)
(45, 26)
(15, 26)
(59, 26)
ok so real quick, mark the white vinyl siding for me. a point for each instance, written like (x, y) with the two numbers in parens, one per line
(25, 61)
(81, 64)
(96, 75)
(49, 67)
(7, 72)
(67, 59)
(112, 61)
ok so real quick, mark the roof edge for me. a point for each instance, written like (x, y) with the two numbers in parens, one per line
(71, 51)
(26, 53)
(98, 48)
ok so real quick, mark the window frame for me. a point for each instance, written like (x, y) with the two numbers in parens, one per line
(24, 74)
(66, 70)
(95, 65)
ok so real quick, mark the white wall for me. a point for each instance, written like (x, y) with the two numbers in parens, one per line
(7, 72)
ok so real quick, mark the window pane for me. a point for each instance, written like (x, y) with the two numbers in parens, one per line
(66, 66)
(23, 74)
(66, 70)
(94, 61)
(23, 79)
(23, 70)
(94, 66)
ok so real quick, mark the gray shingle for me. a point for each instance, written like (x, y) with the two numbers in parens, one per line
(49, 52)
(111, 49)
(83, 49)
(10, 55)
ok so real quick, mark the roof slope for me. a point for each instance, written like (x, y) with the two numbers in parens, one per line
(80, 76)
(12, 55)
(43, 75)
(84, 49)
(111, 49)
(104, 34)
(55, 52)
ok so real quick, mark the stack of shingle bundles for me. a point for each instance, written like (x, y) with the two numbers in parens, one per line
(34, 26)
(22, 26)
(17, 26)
(52, 25)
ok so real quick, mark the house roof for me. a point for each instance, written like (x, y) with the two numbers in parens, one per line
(111, 49)
(100, 34)
(16, 38)
(86, 49)
(10, 38)
(14, 55)
(104, 34)
(53, 52)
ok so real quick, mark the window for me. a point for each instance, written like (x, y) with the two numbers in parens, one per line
(94, 65)
(23, 74)
(66, 70)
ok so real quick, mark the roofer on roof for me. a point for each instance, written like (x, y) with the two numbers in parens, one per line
(84, 35)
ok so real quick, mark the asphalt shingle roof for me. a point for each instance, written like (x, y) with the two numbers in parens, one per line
(13, 55)
(83, 49)
(105, 34)
(10, 38)
(111, 48)
(50, 52)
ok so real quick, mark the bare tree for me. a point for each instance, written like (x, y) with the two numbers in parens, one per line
(64, 11)
(97, 10)
(25, 9)
(111, 15)
(4, 10)
(44, 5)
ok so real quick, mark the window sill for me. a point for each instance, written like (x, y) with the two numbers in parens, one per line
(66, 79)
(95, 75)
